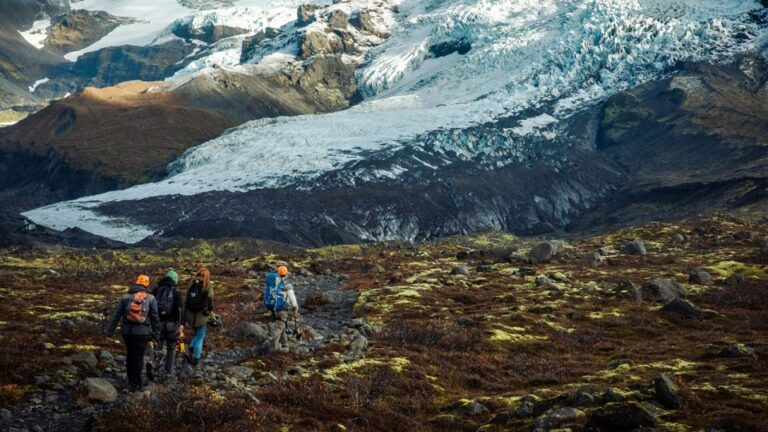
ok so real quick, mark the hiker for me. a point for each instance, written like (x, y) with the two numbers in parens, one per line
(138, 312)
(197, 311)
(169, 308)
(280, 299)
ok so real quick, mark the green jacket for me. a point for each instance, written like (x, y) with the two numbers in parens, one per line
(200, 319)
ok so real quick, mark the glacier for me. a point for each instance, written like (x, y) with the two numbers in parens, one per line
(538, 61)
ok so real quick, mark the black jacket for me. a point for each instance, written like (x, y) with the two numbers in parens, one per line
(132, 328)
(178, 303)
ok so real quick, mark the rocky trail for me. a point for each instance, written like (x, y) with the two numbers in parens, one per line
(660, 327)
(62, 404)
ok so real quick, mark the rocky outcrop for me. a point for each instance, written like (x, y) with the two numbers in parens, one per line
(61, 152)
(78, 29)
(251, 42)
(209, 33)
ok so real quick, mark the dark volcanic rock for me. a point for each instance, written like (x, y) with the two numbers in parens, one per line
(634, 247)
(208, 33)
(544, 252)
(78, 29)
(305, 14)
(338, 19)
(738, 351)
(682, 308)
(460, 46)
(251, 42)
(700, 276)
(667, 392)
(662, 290)
(619, 417)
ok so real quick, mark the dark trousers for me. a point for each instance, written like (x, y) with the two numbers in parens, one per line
(134, 360)
(169, 335)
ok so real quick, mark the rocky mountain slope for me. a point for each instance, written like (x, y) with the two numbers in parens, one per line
(659, 327)
(459, 126)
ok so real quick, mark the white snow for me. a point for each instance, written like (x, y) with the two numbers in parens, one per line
(37, 83)
(37, 34)
(156, 17)
(544, 57)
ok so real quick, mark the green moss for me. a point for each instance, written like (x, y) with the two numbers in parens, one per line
(728, 268)
(71, 315)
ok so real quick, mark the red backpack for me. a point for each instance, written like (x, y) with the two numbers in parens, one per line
(139, 308)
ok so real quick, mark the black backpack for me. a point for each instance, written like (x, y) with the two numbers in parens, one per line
(165, 301)
(197, 300)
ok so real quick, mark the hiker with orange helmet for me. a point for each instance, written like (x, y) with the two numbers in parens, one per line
(280, 299)
(137, 315)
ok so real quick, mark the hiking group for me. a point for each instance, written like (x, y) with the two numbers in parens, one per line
(157, 320)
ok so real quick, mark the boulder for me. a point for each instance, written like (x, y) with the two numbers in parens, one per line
(746, 235)
(373, 268)
(338, 19)
(682, 308)
(619, 417)
(99, 390)
(593, 259)
(305, 14)
(544, 252)
(316, 42)
(460, 270)
(738, 351)
(471, 408)
(484, 268)
(543, 282)
(240, 373)
(700, 276)
(84, 360)
(629, 289)
(677, 238)
(662, 290)
(667, 392)
(367, 21)
(249, 331)
(634, 247)
(559, 418)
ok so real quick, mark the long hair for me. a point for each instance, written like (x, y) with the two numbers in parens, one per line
(203, 276)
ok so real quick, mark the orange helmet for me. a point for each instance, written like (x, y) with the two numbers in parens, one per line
(142, 280)
(282, 270)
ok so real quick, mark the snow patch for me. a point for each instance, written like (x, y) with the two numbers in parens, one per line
(37, 83)
(37, 34)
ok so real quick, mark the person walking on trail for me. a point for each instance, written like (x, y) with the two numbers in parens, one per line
(198, 309)
(137, 315)
(170, 309)
(280, 299)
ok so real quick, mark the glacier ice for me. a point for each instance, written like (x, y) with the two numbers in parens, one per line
(544, 59)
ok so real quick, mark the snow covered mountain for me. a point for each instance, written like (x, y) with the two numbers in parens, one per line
(452, 90)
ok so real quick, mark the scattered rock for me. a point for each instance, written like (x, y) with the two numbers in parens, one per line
(667, 392)
(735, 280)
(544, 252)
(6, 415)
(634, 247)
(99, 390)
(84, 360)
(543, 281)
(472, 408)
(305, 14)
(682, 308)
(677, 238)
(738, 351)
(746, 235)
(366, 21)
(700, 276)
(593, 259)
(240, 373)
(373, 268)
(662, 290)
(245, 331)
(582, 398)
(527, 405)
(559, 418)
(619, 362)
(460, 270)
(559, 277)
(442, 49)
(484, 268)
(619, 417)
(466, 321)
(317, 42)
(629, 289)
(338, 19)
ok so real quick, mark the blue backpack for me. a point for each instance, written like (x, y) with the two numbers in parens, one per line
(273, 292)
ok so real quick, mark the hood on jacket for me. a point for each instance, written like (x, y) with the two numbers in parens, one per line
(136, 288)
(166, 281)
